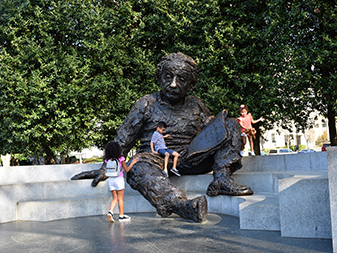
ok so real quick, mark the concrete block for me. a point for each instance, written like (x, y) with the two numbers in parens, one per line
(263, 163)
(292, 162)
(47, 210)
(258, 181)
(193, 183)
(8, 204)
(42, 173)
(228, 205)
(332, 168)
(216, 204)
(318, 161)
(100, 205)
(307, 162)
(260, 212)
(297, 162)
(305, 206)
(136, 203)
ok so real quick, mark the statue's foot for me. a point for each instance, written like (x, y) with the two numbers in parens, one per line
(194, 209)
(227, 186)
(199, 205)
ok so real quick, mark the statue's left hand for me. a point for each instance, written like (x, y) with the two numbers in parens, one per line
(97, 175)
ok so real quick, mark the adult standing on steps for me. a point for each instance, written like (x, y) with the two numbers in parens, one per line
(205, 143)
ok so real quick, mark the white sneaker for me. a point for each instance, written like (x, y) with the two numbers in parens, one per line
(252, 153)
(110, 216)
(124, 218)
(241, 153)
(175, 171)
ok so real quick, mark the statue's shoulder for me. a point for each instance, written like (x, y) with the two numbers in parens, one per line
(195, 100)
(147, 100)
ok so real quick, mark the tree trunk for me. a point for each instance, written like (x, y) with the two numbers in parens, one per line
(256, 141)
(50, 157)
(63, 159)
(332, 125)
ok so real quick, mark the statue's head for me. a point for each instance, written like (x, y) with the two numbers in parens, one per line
(177, 74)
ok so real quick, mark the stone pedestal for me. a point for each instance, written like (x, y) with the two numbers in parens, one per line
(305, 207)
(332, 169)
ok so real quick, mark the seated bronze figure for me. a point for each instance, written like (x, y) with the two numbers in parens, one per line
(205, 143)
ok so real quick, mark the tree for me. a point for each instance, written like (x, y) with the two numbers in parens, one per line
(71, 70)
(308, 33)
(63, 68)
(230, 43)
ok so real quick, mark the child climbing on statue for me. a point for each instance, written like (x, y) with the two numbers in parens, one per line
(158, 146)
(245, 121)
(116, 184)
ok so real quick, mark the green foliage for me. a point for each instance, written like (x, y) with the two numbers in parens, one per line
(71, 70)
(307, 30)
(68, 74)
(93, 160)
(300, 147)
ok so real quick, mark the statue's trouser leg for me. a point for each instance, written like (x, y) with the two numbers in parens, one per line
(150, 181)
(221, 140)
(226, 161)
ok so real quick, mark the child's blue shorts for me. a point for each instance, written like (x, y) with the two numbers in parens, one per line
(163, 151)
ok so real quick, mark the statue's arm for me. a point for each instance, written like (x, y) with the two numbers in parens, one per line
(205, 114)
(132, 128)
(127, 134)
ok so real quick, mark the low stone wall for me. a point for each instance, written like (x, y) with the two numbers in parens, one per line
(42, 173)
(292, 162)
(35, 192)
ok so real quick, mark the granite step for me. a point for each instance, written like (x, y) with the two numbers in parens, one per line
(305, 206)
(64, 208)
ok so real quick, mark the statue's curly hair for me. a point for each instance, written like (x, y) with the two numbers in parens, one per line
(182, 58)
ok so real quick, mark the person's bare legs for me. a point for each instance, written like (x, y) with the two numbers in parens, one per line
(112, 205)
(251, 144)
(120, 199)
(244, 141)
(114, 200)
(175, 159)
(167, 156)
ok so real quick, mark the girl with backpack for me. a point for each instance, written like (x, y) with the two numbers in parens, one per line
(116, 183)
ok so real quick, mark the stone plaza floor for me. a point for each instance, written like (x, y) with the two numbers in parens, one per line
(148, 232)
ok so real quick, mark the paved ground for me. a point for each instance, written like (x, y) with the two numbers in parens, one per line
(148, 233)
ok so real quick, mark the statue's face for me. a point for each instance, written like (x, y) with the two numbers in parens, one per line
(176, 81)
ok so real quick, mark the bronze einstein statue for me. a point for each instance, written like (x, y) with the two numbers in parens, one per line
(205, 143)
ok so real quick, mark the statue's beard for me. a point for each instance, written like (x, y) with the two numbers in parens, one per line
(173, 96)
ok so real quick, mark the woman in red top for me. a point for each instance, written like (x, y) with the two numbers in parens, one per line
(245, 121)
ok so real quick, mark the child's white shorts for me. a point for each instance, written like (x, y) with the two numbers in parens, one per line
(116, 183)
